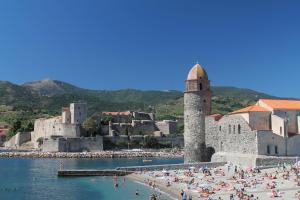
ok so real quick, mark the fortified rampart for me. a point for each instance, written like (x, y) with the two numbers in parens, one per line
(79, 144)
(168, 140)
(140, 127)
(17, 140)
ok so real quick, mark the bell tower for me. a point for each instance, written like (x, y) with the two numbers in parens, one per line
(197, 105)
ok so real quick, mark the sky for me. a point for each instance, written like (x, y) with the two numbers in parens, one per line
(152, 44)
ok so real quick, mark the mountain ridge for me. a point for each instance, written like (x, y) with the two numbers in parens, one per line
(45, 98)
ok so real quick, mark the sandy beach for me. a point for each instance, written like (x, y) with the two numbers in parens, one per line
(223, 182)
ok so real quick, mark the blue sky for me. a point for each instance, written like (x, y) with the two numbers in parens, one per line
(152, 44)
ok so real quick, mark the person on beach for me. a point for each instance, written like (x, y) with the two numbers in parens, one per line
(181, 193)
(184, 196)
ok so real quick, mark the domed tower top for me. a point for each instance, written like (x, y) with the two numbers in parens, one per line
(197, 79)
(197, 72)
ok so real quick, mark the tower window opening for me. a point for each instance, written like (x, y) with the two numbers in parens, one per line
(200, 86)
(229, 129)
(280, 130)
(276, 149)
(233, 129)
(239, 129)
(268, 149)
(220, 128)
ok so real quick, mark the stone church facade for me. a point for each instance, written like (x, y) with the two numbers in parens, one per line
(268, 128)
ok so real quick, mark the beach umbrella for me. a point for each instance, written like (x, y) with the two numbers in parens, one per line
(204, 185)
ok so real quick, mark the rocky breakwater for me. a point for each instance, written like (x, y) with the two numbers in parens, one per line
(103, 154)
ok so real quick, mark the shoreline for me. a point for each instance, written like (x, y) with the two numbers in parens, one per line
(95, 155)
(171, 192)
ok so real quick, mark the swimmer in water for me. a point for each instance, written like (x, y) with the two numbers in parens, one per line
(116, 185)
(137, 193)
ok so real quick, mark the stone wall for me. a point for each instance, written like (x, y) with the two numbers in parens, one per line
(293, 145)
(259, 120)
(234, 135)
(212, 135)
(250, 160)
(268, 141)
(278, 125)
(173, 166)
(78, 112)
(173, 141)
(141, 127)
(17, 140)
(292, 116)
(79, 144)
(194, 127)
(166, 126)
(44, 128)
(143, 116)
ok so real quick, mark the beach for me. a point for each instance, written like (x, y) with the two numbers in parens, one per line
(222, 182)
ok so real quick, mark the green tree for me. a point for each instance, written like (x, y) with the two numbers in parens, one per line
(17, 125)
(29, 127)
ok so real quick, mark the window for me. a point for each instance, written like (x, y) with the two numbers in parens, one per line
(229, 129)
(280, 130)
(239, 129)
(204, 100)
(268, 149)
(220, 128)
(200, 86)
(233, 129)
(276, 149)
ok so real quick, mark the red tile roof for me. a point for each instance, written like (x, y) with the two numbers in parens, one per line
(254, 108)
(216, 116)
(127, 113)
(282, 104)
(3, 132)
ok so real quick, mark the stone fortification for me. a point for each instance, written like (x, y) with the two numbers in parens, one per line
(141, 127)
(79, 144)
(168, 140)
(44, 128)
(66, 125)
(17, 140)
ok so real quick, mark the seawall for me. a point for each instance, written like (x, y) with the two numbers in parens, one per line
(101, 154)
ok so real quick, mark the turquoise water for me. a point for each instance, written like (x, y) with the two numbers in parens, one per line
(35, 179)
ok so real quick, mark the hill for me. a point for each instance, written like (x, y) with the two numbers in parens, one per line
(45, 98)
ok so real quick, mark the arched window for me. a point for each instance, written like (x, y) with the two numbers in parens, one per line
(239, 129)
(229, 129)
(200, 86)
(220, 128)
(276, 149)
(233, 129)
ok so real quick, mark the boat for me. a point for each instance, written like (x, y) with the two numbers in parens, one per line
(147, 160)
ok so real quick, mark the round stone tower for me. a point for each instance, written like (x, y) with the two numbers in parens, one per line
(197, 104)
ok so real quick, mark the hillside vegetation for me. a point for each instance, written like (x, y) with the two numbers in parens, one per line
(45, 98)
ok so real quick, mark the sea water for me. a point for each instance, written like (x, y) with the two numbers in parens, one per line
(35, 179)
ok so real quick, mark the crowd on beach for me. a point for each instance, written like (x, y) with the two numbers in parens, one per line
(100, 154)
(229, 182)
